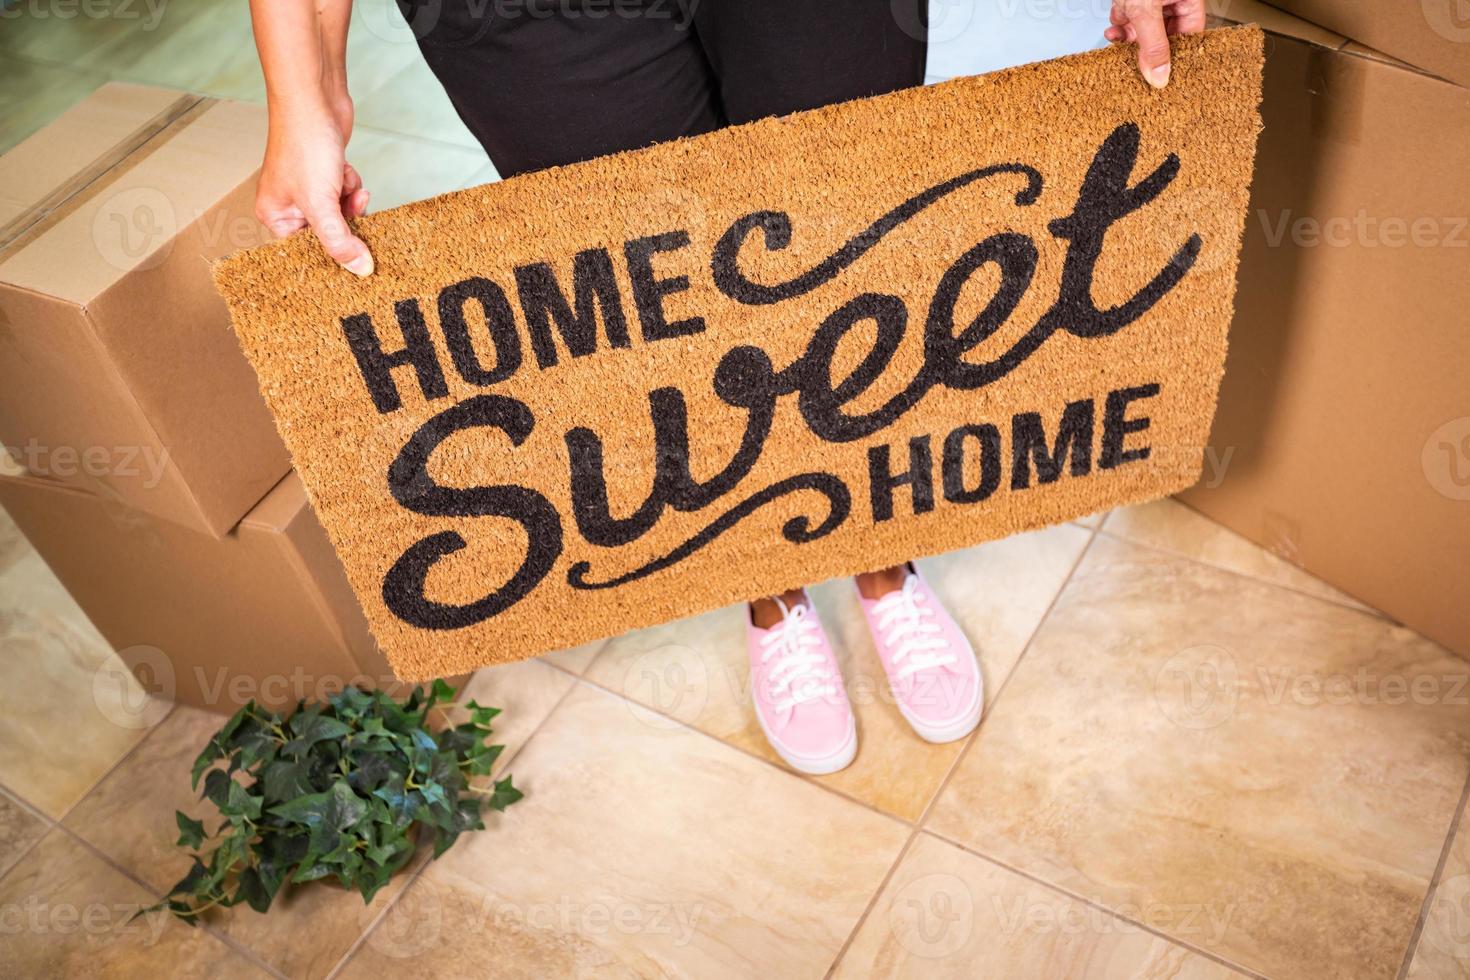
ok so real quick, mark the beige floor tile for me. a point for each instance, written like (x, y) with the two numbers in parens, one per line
(1170, 525)
(577, 659)
(1188, 741)
(66, 715)
(73, 916)
(1444, 944)
(13, 544)
(1092, 520)
(129, 816)
(642, 850)
(397, 169)
(696, 669)
(20, 829)
(948, 913)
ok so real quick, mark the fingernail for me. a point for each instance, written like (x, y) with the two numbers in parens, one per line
(1158, 77)
(361, 266)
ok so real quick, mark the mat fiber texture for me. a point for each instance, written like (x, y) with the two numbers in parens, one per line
(608, 395)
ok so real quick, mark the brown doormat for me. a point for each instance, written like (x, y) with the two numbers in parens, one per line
(608, 395)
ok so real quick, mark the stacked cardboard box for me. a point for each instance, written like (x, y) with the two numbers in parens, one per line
(1342, 441)
(150, 476)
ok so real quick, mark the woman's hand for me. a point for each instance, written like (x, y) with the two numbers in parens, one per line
(306, 180)
(1148, 23)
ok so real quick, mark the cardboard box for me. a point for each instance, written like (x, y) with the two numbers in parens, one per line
(119, 372)
(1430, 34)
(1344, 422)
(264, 612)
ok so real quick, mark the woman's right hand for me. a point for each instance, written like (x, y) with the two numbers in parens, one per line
(307, 181)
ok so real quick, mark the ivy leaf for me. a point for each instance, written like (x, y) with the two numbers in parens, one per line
(191, 832)
(312, 729)
(504, 795)
(286, 779)
(440, 691)
(481, 715)
(252, 891)
(212, 752)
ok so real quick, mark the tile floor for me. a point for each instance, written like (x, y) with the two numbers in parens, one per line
(1197, 760)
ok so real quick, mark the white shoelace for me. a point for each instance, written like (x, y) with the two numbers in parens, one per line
(790, 643)
(916, 642)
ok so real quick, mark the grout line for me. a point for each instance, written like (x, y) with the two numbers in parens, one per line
(779, 767)
(1434, 880)
(413, 877)
(148, 888)
(857, 925)
(970, 740)
(46, 822)
(173, 706)
(1352, 605)
(1099, 906)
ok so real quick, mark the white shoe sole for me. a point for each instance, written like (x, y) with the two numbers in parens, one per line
(952, 731)
(815, 765)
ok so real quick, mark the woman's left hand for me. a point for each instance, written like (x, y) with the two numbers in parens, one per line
(1148, 23)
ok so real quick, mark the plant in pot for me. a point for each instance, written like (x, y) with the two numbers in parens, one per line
(336, 790)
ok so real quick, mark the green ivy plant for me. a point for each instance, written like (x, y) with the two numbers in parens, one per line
(335, 790)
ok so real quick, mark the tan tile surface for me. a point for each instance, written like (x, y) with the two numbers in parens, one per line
(13, 545)
(1170, 525)
(66, 715)
(642, 850)
(1185, 740)
(948, 913)
(20, 829)
(72, 916)
(697, 669)
(577, 659)
(1444, 944)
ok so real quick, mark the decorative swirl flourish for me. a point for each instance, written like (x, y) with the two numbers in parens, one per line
(776, 226)
(798, 530)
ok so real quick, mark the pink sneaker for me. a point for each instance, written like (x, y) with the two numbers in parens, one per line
(798, 693)
(931, 667)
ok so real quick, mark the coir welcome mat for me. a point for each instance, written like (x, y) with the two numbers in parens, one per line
(612, 394)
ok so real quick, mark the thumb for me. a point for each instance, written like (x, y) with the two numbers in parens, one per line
(1147, 19)
(349, 251)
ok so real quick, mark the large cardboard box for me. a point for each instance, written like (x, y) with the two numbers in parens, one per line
(1429, 34)
(264, 612)
(119, 372)
(1343, 428)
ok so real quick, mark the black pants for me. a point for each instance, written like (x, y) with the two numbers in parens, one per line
(548, 82)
